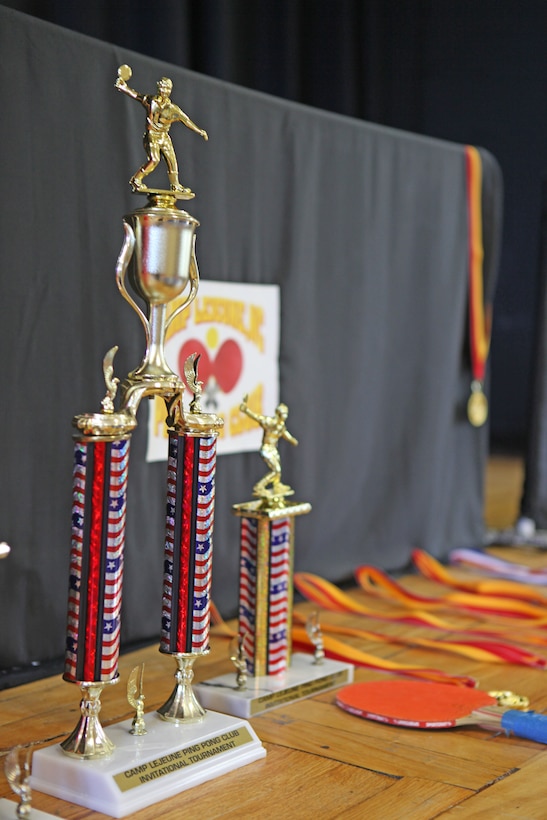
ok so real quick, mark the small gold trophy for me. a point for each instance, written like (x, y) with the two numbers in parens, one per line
(237, 656)
(313, 629)
(135, 698)
(273, 674)
(267, 554)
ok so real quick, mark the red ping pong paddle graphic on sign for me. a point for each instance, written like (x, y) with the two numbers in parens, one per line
(226, 366)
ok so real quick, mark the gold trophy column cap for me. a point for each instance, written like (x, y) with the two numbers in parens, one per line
(103, 426)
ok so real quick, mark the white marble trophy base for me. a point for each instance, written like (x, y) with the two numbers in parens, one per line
(8, 809)
(302, 679)
(143, 770)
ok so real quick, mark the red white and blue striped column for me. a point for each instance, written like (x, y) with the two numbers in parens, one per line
(265, 591)
(96, 560)
(188, 543)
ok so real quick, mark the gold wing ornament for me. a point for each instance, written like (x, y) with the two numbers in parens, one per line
(135, 698)
(111, 382)
(194, 384)
(18, 778)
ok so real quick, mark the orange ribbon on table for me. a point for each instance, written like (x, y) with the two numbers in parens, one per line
(479, 650)
(337, 650)
(496, 567)
(430, 568)
(327, 595)
(376, 582)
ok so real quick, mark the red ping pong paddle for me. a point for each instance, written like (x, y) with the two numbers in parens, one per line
(422, 705)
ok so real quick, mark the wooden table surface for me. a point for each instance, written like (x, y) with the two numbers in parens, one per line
(322, 762)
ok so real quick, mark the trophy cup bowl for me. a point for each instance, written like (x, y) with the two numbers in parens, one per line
(158, 258)
(160, 264)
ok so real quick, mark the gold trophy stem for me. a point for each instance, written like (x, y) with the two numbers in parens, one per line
(183, 706)
(154, 364)
(88, 741)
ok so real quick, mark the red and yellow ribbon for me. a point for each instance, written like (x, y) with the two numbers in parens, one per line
(329, 596)
(376, 582)
(430, 568)
(337, 650)
(480, 316)
(480, 650)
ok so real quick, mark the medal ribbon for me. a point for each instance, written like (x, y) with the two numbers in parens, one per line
(499, 567)
(337, 650)
(430, 568)
(487, 651)
(376, 582)
(329, 596)
(480, 318)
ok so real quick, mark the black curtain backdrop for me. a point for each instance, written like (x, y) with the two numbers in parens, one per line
(462, 70)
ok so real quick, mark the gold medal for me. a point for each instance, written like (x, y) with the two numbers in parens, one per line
(477, 405)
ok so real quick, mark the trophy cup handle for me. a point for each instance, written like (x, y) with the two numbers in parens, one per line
(193, 275)
(121, 270)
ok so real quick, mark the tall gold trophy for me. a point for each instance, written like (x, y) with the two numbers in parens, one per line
(274, 675)
(138, 763)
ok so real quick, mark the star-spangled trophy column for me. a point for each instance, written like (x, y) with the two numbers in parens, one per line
(188, 547)
(158, 259)
(267, 555)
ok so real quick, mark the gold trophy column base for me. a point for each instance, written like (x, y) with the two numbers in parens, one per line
(182, 705)
(88, 740)
(143, 770)
(302, 679)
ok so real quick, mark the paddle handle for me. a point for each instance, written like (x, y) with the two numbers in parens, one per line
(531, 725)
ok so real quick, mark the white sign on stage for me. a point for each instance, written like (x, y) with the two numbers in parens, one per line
(235, 329)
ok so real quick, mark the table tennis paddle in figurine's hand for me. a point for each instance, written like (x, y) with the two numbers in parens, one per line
(423, 705)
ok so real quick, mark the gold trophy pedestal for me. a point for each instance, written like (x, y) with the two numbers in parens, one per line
(302, 679)
(144, 769)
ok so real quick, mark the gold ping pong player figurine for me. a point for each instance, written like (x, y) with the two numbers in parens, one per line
(274, 428)
(161, 113)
